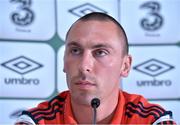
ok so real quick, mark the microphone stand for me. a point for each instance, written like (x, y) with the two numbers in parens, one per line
(95, 103)
(94, 115)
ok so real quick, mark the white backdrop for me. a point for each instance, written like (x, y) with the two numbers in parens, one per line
(32, 34)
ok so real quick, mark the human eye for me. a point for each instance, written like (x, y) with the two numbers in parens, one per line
(101, 52)
(75, 51)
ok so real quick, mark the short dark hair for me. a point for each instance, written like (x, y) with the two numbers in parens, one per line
(104, 17)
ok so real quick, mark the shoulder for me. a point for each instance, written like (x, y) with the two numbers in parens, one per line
(56, 101)
(140, 109)
(47, 110)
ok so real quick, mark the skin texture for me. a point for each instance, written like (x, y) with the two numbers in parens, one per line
(94, 64)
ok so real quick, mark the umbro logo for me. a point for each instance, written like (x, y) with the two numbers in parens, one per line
(153, 67)
(22, 65)
(84, 9)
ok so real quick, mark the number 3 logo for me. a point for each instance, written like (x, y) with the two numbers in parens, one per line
(25, 15)
(154, 21)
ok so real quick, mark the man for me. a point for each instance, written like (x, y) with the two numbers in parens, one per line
(96, 58)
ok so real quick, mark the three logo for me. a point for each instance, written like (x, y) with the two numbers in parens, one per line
(154, 19)
(24, 16)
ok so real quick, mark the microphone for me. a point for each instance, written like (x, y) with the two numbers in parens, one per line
(95, 102)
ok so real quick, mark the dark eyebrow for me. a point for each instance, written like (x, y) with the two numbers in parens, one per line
(99, 45)
(73, 43)
(102, 46)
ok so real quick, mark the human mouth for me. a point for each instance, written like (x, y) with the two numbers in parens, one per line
(85, 84)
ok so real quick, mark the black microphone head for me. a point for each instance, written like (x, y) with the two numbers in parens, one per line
(95, 102)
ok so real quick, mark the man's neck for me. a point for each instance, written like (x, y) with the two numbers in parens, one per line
(105, 112)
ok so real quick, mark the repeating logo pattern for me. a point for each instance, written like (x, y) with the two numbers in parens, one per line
(23, 20)
(153, 67)
(85, 9)
(22, 65)
(24, 15)
(154, 19)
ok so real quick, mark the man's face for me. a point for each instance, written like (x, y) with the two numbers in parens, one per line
(93, 60)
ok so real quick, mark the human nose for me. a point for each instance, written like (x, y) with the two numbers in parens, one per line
(86, 62)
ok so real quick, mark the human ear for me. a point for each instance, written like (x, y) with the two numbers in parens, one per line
(64, 70)
(126, 65)
(64, 66)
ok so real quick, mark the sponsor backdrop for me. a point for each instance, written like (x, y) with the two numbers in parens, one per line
(32, 34)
